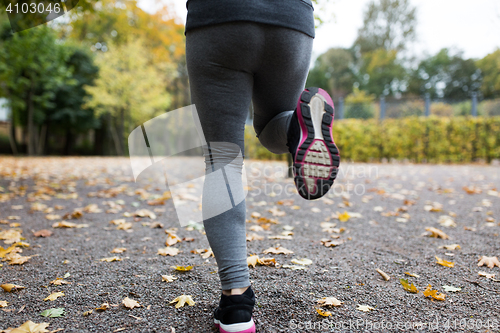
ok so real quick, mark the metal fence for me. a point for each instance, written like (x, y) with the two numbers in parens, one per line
(406, 107)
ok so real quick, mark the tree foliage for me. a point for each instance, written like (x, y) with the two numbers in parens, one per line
(490, 69)
(387, 24)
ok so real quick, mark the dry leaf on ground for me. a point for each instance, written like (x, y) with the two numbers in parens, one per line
(437, 233)
(444, 262)
(408, 287)
(182, 268)
(111, 259)
(65, 224)
(450, 247)
(54, 296)
(364, 308)
(303, 261)
(384, 274)
(428, 292)
(329, 301)
(168, 278)
(130, 303)
(3, 304)
(183, 299)
(323, 313)
(43, 233)
(31, 327)
(489, 261)
(168, 251)
(277, 250)
(9, 287)
(118, 250)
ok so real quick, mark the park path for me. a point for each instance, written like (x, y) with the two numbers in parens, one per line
(374, 218)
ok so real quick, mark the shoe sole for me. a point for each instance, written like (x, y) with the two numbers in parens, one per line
(248, 327)
(317, 157)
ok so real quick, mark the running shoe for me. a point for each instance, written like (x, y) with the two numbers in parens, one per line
(234, 313)
(315, 155)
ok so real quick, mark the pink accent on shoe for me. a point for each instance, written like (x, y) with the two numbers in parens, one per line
(249, 330)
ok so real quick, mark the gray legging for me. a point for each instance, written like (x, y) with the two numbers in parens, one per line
(229, 66)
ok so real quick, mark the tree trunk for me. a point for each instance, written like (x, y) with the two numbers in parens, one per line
(115, 137)
(121, 131)
(68, 144)
(12, 134)
(31, 127)
(41, 140)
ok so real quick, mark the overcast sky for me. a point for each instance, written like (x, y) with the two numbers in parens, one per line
(472, 26)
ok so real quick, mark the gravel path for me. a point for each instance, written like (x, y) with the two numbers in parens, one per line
(387, 211)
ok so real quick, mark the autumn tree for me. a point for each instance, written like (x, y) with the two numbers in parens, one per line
(382, 73)
(387, 24)
(128, 88)
(490, 69)
(334, 71)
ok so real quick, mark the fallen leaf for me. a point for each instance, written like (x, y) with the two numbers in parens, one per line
(168, 278)
(111, 259)
(451, 289)
(408, 287)
(182, 268)
(65, 224)
(4, 252)
(331, 242)
(277, 212)
(124, 226)
(43, 233)
(302, 262)
(486, 275)
(489, 261)
(87, 313)
(53, 313)
(344, 217)
(436, 233)
(130, 303)
(412, 275)
(53, 296)
(19, 260)
(267, 261)
(433, 293)
(253, 236)
(384, 274)
(3, 304)
(446, 221)
(103, 307)
(364, 308)
(277, 250)
(31, 327)
(52, 217)
(118, 250)
(434, 207)
(444, 262)
(9, 287)
(181, 300)
(323, 313)
(168, 251)
(450, 247)
(59, 282)
(252, 260)
(329, 301)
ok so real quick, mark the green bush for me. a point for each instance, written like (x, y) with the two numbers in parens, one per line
(419, 139)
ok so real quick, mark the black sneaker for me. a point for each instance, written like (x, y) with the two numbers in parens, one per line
(315, 155)
(234, 313)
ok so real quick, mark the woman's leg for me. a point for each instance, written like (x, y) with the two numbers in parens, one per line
(221, 60)
(278, 84)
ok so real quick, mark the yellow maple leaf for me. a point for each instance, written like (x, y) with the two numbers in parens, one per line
(19, 260)
(323, 313)
(3, 251)
(9, 287)
(433, 293)
(408, 287)
(182, 268)
(444, 262)
(130, 303)
(54, 296)
(31, 327)
(344, 217)
(183, 299)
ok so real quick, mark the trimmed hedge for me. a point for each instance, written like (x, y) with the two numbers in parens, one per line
(419, 139)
